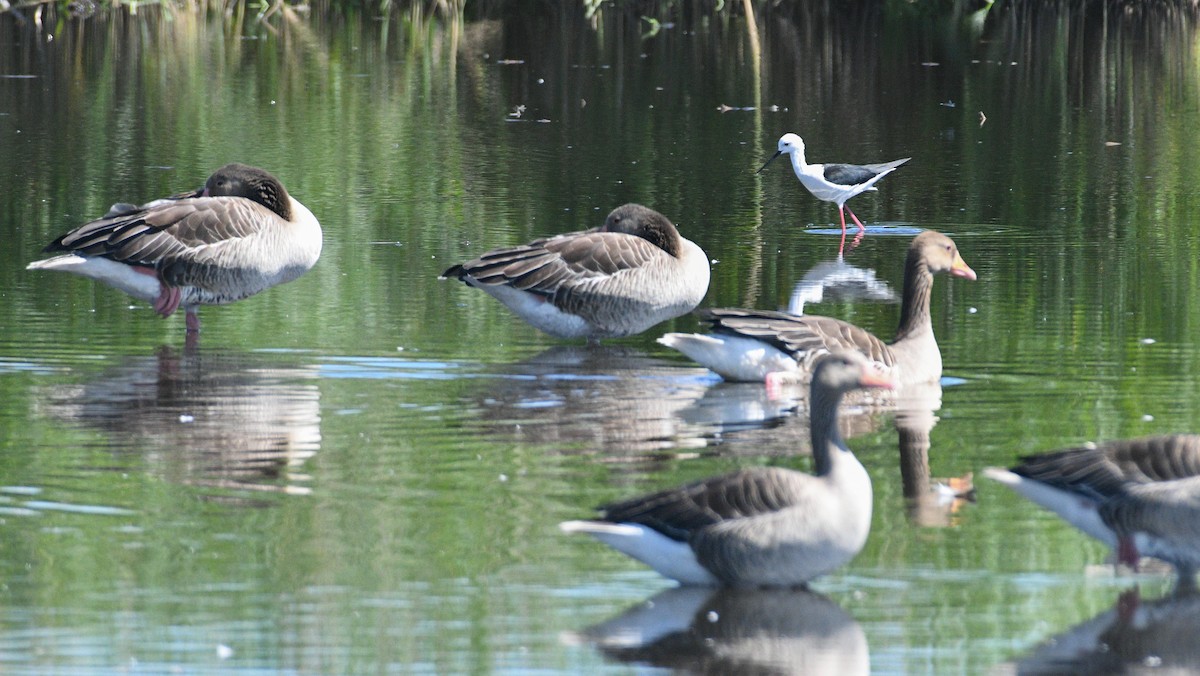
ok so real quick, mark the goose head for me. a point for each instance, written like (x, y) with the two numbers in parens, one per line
(842, 372)
(252, 183)
(939, 254)
(644, 222)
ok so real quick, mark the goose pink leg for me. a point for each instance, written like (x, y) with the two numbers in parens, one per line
(1127, 552)
(168, 299)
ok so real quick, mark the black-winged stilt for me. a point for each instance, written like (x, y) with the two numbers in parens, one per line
(834, 182)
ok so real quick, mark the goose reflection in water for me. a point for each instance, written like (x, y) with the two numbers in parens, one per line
(931, 502)
(595, 397)
(246, 422)
(729, 631)
(620, 401)
(1134, 636)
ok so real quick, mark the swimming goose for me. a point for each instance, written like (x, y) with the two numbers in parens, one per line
(758, 527)
(617, 280)
(1139, 496)
(835, 183)
(747, 345)
(240, 234)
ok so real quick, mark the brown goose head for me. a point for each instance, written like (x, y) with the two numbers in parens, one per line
(644, 222)
(258, 185)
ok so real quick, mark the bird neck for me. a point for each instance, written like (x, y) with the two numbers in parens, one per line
(914, 309)
(826, 438)
(799, 164)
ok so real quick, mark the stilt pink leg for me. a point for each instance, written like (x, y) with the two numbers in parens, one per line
(842, 245)
(861, 228)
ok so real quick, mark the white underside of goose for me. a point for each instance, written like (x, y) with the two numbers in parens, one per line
(731, 357)
(671, 558)
(120, 276)
(537, 311)
(1077, 510)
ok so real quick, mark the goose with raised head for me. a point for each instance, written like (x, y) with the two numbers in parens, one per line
(835, 183)
(758, 527)
(240, 234)
(616, 280)
(1139, 496)
(747, 345)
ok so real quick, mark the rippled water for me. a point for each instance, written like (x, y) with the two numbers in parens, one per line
(363, 470)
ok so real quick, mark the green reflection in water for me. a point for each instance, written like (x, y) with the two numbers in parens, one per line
(409, 547)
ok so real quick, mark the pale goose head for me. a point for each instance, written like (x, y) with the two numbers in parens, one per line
(937, 253)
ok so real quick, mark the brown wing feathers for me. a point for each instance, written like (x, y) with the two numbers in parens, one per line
(542, 266)
(798, 335)
(1105, 470)
(146, 237)
(678, 512)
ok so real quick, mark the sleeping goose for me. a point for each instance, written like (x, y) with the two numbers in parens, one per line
(240, 234)
(747, 345)
(617, 280)
(758, 527)
(1139, 496)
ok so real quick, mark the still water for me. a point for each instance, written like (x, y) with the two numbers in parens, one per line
(362, 471)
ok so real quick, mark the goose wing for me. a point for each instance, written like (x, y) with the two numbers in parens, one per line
(678, 512)
(1105, 470)
(805, 337)
(548, 266)
(1169, 509)
(170, 236)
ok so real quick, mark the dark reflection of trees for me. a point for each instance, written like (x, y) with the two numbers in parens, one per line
(698, 630)
(240, 422)
(1134, 636)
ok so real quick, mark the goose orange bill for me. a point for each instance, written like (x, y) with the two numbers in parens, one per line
(961, 269)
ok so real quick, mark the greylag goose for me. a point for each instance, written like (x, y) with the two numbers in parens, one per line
(835, 183)
(240, 234)
(747, 345)
(758, 527)
(1140, 496)
(616, 280)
